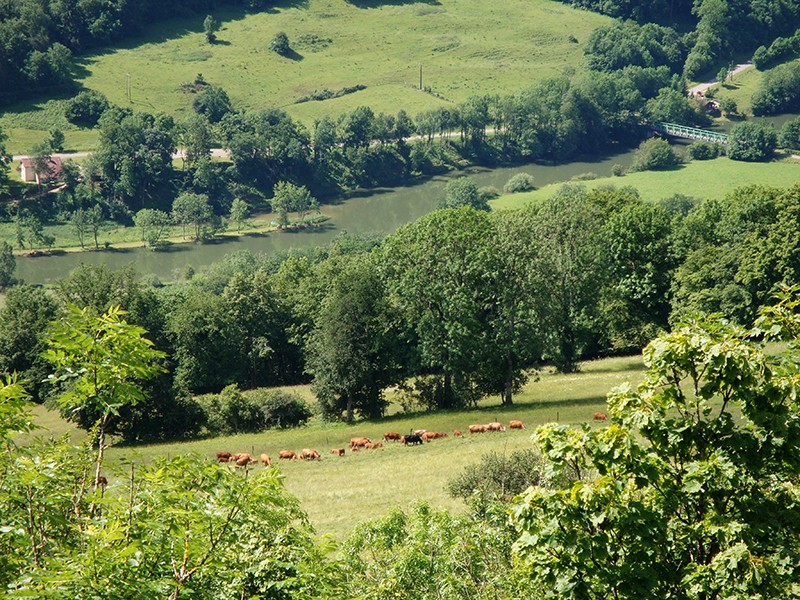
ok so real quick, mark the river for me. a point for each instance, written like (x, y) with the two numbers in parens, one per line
(376, 211)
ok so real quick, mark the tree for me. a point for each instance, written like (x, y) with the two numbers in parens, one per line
(438, 274)
(79, 221)
(210, 26)
(672, 106)
(728, 106)
(790, 134)
(287, 198)
(55, 140)
(280, 44)
(240, 210)
(8, 265)
(95, 220)
(195, 136)
(463, 191)
(100, 362)
(751, 142)
(679, 496)
(5, 159)
(213, 103)
(86, 108)
(352, 352)
(571, 261)
(153, 223)
(192, 209)
(24, 321)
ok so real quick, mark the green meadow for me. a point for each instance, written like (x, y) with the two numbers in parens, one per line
(339, 492)
(699, 179)
(336, 44)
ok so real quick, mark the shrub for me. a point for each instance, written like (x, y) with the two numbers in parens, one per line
(280, 44)
(488, 192)
(521, 182)
(704, 150)
(499, 475)
(280, 409)
(86, 108)
(230, 412)
(728, 106)
(617, 170)
(779, 91)
(588, 176)
(654, 153)
(790, 134)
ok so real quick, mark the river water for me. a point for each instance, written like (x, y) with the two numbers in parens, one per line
(377, 211)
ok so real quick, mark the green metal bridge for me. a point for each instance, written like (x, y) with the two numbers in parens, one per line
(692, 133)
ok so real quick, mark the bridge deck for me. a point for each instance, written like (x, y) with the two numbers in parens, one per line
(692, 133)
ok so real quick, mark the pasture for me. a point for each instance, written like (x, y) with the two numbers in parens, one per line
(465, 47)
(339, 492)
(698, 179)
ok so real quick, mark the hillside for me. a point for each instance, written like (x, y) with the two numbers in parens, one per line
(336, 44)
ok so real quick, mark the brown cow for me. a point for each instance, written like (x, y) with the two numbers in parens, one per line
(419, 432)
(338, 451)
(244, 459)
(457, 433)
(477, 428)
(391, 435)
(358, 442)
(286, 454)
(600, 416)
(495, 427)
(372, 445)
(439, 434)
(265, 460)
(515, 425)
(223, 456)
(309, 454)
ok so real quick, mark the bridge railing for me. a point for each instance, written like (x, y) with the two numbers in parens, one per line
(692, 133)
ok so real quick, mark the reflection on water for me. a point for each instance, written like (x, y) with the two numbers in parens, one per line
(379, 211)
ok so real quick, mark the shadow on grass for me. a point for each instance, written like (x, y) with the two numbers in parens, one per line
(380, 3)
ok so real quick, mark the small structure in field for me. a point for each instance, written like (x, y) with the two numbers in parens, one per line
(28, 171)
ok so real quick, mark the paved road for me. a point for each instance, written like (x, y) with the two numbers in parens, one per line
(702, 87)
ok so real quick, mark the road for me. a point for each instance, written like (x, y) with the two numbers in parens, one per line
(702, 87)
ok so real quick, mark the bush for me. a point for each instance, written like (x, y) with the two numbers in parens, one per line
(588, 176)
(617, 170)
(704, 150)
(751, 142)
(521, 182)
(728, 106)
(280, 44)
(280, 409)
(654, 153)
(488, 192)
(498, 475)
(231, 411)
(790, 134)
(86, 108)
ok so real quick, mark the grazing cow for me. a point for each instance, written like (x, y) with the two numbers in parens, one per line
(359, 442)
(439, 434)
(265, 460)
(286, 454)
(457, 433)
(224, 456)
(515, 425)
(244, 460)
(309, 454)
(411, 440)
(391, 435)
(372, 445)
(338, 451)
(495, 427)
(419, 432)
(477, 428)
(600, 416)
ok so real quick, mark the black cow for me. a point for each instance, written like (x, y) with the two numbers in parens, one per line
(409, 440)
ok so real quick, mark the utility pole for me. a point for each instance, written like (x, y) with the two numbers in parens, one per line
(128, 86)
(420, 76)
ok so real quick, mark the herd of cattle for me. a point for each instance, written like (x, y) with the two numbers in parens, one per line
(414, 438)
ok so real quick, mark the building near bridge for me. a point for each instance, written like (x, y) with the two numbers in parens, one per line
(28, 172)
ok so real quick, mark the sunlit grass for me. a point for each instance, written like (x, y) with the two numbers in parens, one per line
(340, 492)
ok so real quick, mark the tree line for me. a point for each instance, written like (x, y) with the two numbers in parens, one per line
(132, 169)
(456, 306)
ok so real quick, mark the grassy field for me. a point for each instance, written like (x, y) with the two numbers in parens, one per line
(465, 47)
(700, 179)
(338, 492)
